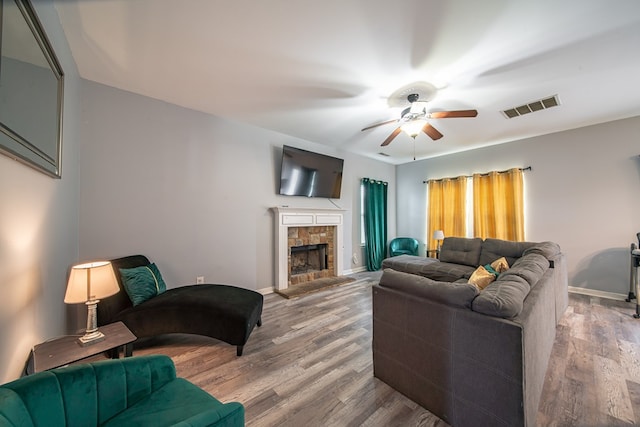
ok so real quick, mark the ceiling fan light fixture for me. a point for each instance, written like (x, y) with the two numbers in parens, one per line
(413, 127)
(414, 117)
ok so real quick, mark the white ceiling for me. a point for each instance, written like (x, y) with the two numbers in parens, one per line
(322, 70)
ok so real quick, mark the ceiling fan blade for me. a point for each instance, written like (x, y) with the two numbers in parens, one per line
(380, 124)
(456, 113)
(431, 131)
(390, 137)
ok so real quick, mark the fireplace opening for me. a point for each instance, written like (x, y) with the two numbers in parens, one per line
(308, 258)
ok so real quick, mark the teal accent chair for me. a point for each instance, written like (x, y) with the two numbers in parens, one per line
(135, 391)
(403, 246)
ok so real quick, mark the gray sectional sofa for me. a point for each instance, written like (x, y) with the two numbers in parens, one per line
(472, 357)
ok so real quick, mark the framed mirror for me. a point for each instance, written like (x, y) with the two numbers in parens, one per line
(31, 90)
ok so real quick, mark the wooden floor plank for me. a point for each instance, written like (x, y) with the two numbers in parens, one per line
(612, 394)
(629, 354)
(634, 395)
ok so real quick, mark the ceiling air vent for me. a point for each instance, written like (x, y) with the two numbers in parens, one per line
(532, 107)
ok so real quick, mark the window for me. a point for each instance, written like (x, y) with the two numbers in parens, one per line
(447, 208)
(485, 205)
(498, 206)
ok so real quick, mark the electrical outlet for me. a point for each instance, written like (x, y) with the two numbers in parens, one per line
(199, 280)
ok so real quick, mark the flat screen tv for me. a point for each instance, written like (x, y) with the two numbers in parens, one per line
(309, 174)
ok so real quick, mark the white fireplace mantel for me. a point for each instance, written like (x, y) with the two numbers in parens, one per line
(285, 217)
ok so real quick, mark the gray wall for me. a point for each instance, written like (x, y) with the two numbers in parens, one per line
(38, 230)
(193, 191)
(583, 193)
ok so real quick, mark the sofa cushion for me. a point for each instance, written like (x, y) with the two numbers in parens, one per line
(454, 294)
(492, 249)
(460, 250)
(505, 297)
(446, 272)
(429, 267)
(407, 263)
(530, 267)
(142, 283)
(502, 298)
(177, 402)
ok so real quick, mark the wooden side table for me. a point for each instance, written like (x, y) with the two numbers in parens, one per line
(64, 350)
(435, 252)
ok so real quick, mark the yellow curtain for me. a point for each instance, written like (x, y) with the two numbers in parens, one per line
(498, 207)
(447, 208)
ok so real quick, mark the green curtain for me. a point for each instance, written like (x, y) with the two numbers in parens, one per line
(375, 222)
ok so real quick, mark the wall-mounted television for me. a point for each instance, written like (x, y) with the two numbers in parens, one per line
(304, 173)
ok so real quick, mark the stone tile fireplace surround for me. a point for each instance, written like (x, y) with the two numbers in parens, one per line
(299, 227)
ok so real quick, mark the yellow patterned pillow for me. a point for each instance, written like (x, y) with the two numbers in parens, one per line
(500, 265)
(481, 278)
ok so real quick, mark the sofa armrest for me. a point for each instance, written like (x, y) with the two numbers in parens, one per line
(13, 408)
(33, 400)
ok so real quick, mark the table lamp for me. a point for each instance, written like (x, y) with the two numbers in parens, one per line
(438, 236)
(88, 283)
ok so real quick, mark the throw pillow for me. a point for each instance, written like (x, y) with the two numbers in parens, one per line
(500, 265)
(142, 283)
(162, 286)
(481, 278)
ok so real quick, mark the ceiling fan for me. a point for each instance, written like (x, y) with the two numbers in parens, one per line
(414, 119)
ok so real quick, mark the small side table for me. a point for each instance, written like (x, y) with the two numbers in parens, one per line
(64, 350)
(435, 252)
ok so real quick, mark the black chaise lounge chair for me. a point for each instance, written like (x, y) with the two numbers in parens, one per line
(227, 313)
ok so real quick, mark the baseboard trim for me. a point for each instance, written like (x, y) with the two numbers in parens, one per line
(355, 270)
(265, 291)
(597, 293)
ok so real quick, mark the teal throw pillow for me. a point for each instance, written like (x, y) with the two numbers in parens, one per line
(142, 283)
(161, 285)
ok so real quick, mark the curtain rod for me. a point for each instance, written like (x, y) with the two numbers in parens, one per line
(528, 168)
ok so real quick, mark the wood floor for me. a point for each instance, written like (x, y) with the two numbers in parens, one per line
(593, 378)
(310, 365)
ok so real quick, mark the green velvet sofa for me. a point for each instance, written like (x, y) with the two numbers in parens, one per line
(135, 391)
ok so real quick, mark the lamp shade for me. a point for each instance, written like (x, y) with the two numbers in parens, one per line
(438, 235)
(91, 281)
